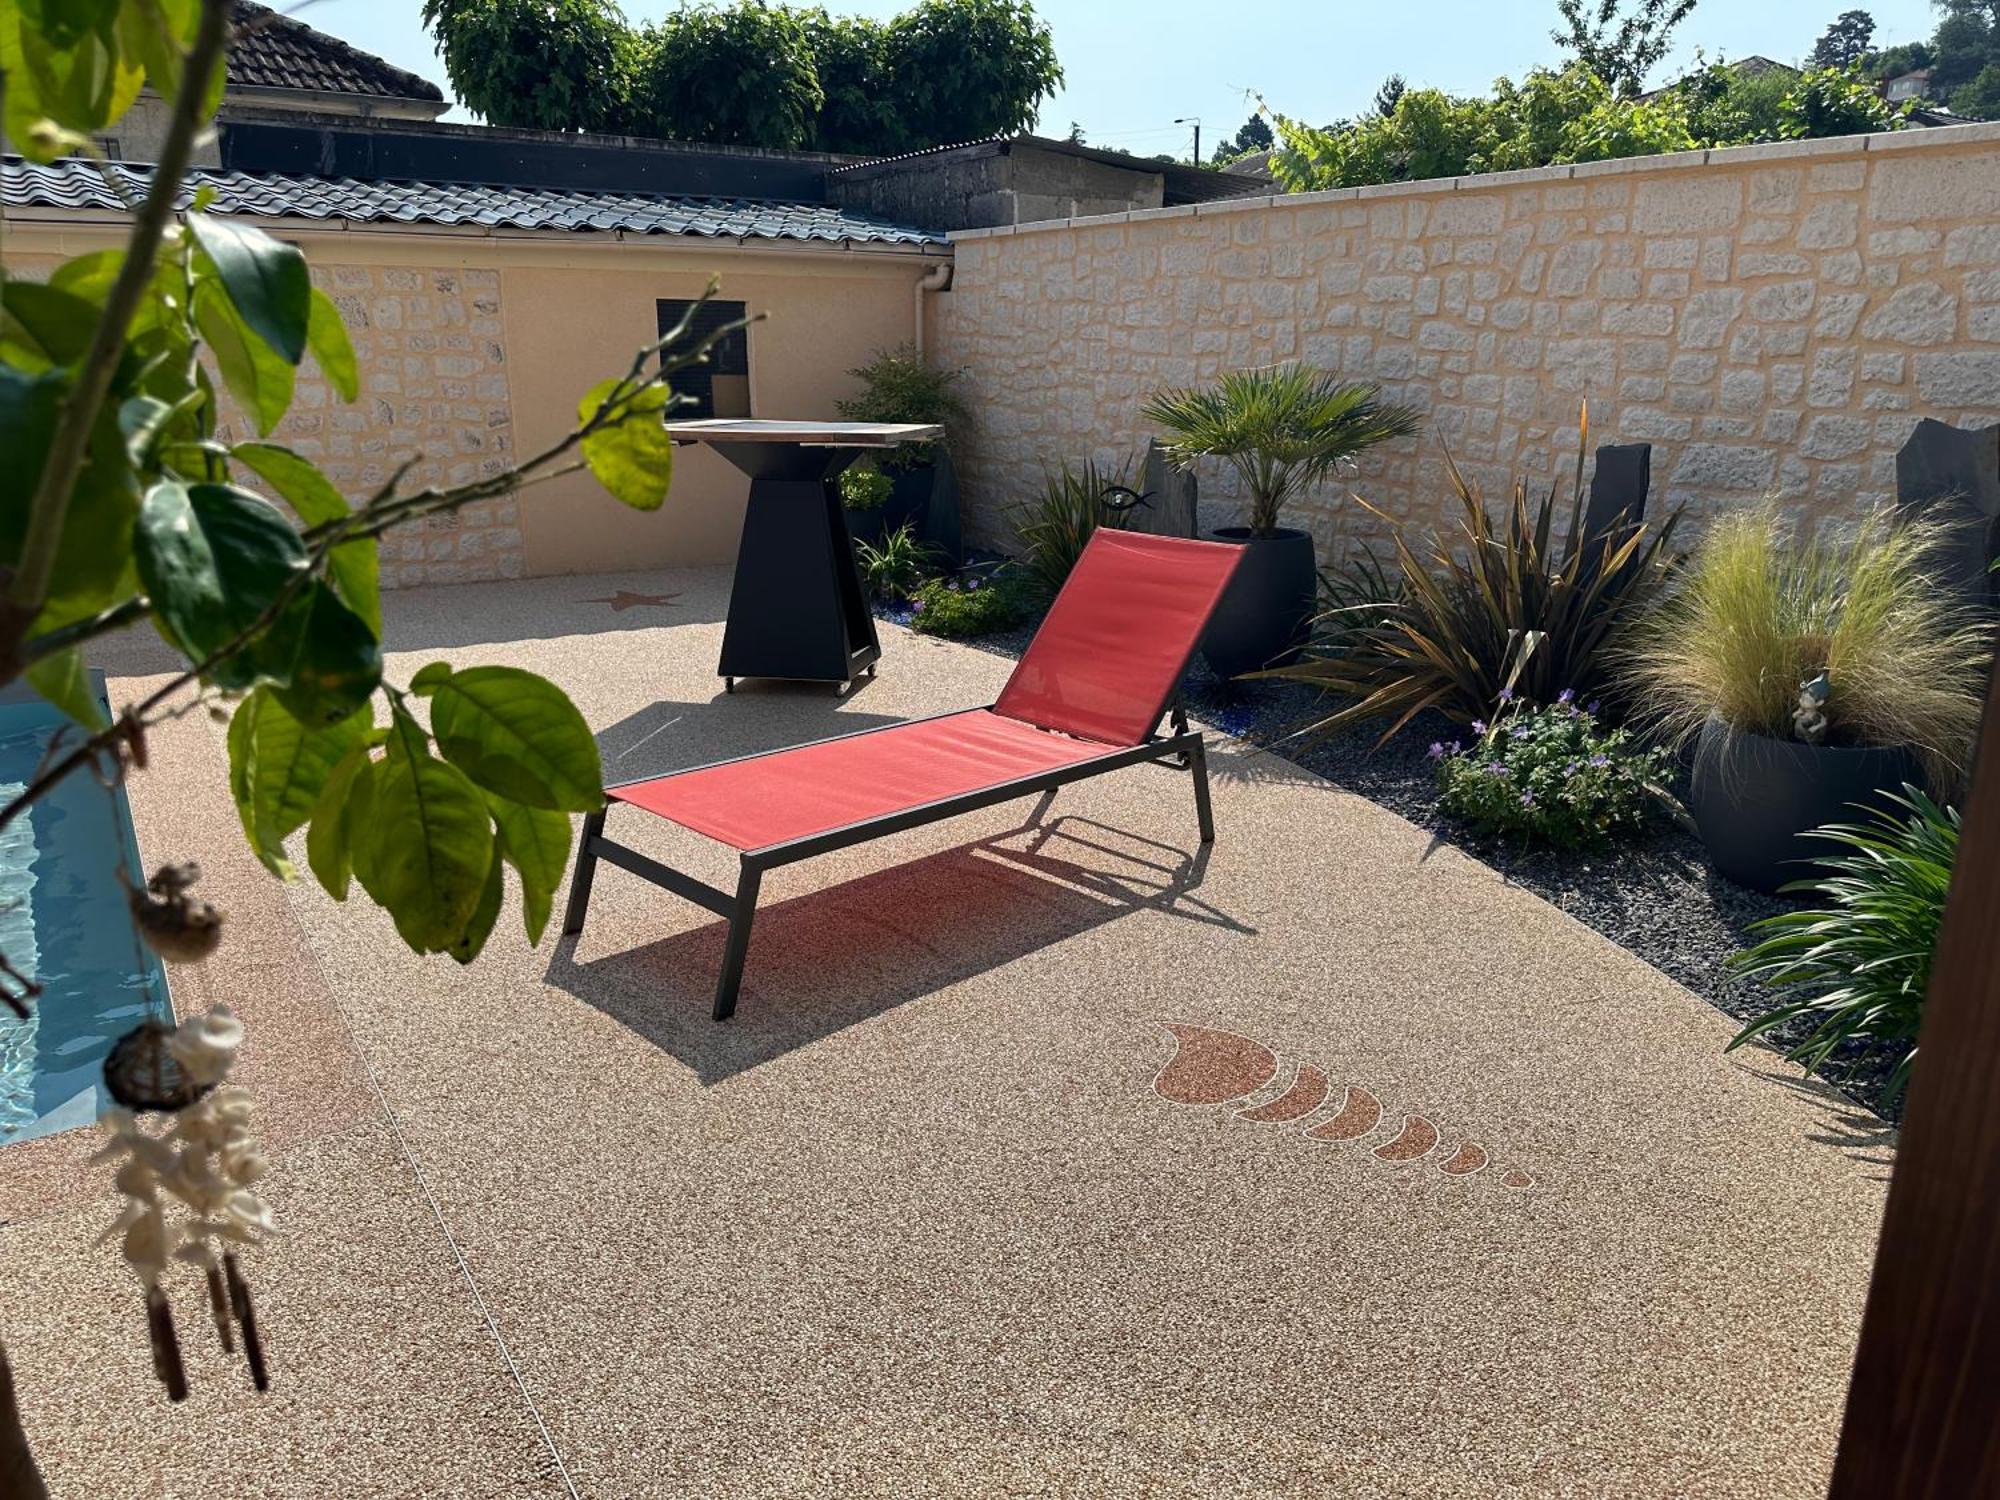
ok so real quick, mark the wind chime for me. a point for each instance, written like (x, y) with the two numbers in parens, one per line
(205, 1165)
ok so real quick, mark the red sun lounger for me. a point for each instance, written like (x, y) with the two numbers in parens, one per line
(1087, 698)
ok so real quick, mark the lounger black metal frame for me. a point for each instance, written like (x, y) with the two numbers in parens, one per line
(1182, 748)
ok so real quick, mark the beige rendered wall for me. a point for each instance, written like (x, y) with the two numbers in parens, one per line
(475, 350)
(1774, 319)
(574, 318)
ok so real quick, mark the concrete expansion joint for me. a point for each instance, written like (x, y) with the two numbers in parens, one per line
(409, 1156)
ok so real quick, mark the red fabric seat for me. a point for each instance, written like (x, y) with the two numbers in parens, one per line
(1096, 678)
(791, 794)
(1109, 658)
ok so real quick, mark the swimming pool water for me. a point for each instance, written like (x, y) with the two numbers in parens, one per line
(63, 921)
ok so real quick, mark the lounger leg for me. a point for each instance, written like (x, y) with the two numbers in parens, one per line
(584, 874)
(731, 978)
(1204, 814)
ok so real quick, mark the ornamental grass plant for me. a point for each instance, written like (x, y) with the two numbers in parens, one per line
(1758, 612)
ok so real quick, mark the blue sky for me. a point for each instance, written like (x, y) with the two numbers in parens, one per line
(1135, 65)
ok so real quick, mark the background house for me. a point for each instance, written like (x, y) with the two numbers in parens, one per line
(490, 277)
(281, 68)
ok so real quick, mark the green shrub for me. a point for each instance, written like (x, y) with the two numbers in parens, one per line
(1055, 528)
(1497, 603)
(1552, 775)
(899, 385)
(972, 603)
(865, 489)
(1855, 968)
(894, 567)
(1758, 612)
(1835, 101)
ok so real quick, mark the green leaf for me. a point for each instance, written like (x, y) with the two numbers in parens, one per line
(213, 559)
(328, 850)
(95, 547)
(631, 456)
(141, 420)
(465, 948)
(81, 82)
(427, 848)
(536, 844)
(359, 816)
(266, 280)
(157, 34)
(88, 276)
(355, 565)
(518, 735)
(326, 336)
(322, 658)
(429, 679)
(67, 22)
(278, 768)
(47, 321)
(64, 680)
(257, 376)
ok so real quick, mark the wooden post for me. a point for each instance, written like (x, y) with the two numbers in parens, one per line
(1923, 1412)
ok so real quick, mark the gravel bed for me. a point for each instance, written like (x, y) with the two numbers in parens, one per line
(1657, 897)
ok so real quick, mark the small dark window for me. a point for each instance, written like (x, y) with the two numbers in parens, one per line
(721, 387)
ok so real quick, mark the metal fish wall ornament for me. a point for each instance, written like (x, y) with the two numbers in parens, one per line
(1211, 1067)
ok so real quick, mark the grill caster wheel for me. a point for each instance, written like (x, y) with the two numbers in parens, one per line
(729, 684)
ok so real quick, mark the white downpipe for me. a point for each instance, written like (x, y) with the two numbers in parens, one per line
(937, 279)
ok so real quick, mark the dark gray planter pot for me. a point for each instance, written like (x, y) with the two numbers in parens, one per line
(1263, 617)
(1753, 798)
(866, 525)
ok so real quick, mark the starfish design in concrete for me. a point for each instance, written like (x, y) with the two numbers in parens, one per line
(1211, 1066)
(625, 599)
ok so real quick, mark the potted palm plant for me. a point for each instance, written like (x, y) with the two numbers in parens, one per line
(1810, 676)
(1282, 429)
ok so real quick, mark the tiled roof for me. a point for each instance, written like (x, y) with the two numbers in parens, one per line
(79, 184)
(277, 52)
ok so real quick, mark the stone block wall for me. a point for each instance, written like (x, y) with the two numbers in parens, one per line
(434, 389)
(1774, 319)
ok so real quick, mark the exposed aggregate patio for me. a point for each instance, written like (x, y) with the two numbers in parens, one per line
(932, 1215)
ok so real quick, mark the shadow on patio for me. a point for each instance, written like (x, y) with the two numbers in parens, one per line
(825, 961)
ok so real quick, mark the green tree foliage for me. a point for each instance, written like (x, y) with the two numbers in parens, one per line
(1573, 115)
(1256, 135)
(1835, 101)
(753, 72)
(1846, 42)
(1966, 41)
(962, 70)
(1393, 88)
(1728, 107)
(739, 75)
(856, 115)
(1618, 45)
(1979, 99)
(536, 64)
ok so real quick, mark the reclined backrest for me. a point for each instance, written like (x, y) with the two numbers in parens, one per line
(1111, 654)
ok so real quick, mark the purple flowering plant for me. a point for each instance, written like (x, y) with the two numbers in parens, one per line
(1552, 774)
(978, 601)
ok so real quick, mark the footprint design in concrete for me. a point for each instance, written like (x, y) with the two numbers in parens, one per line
(1211, 1066)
